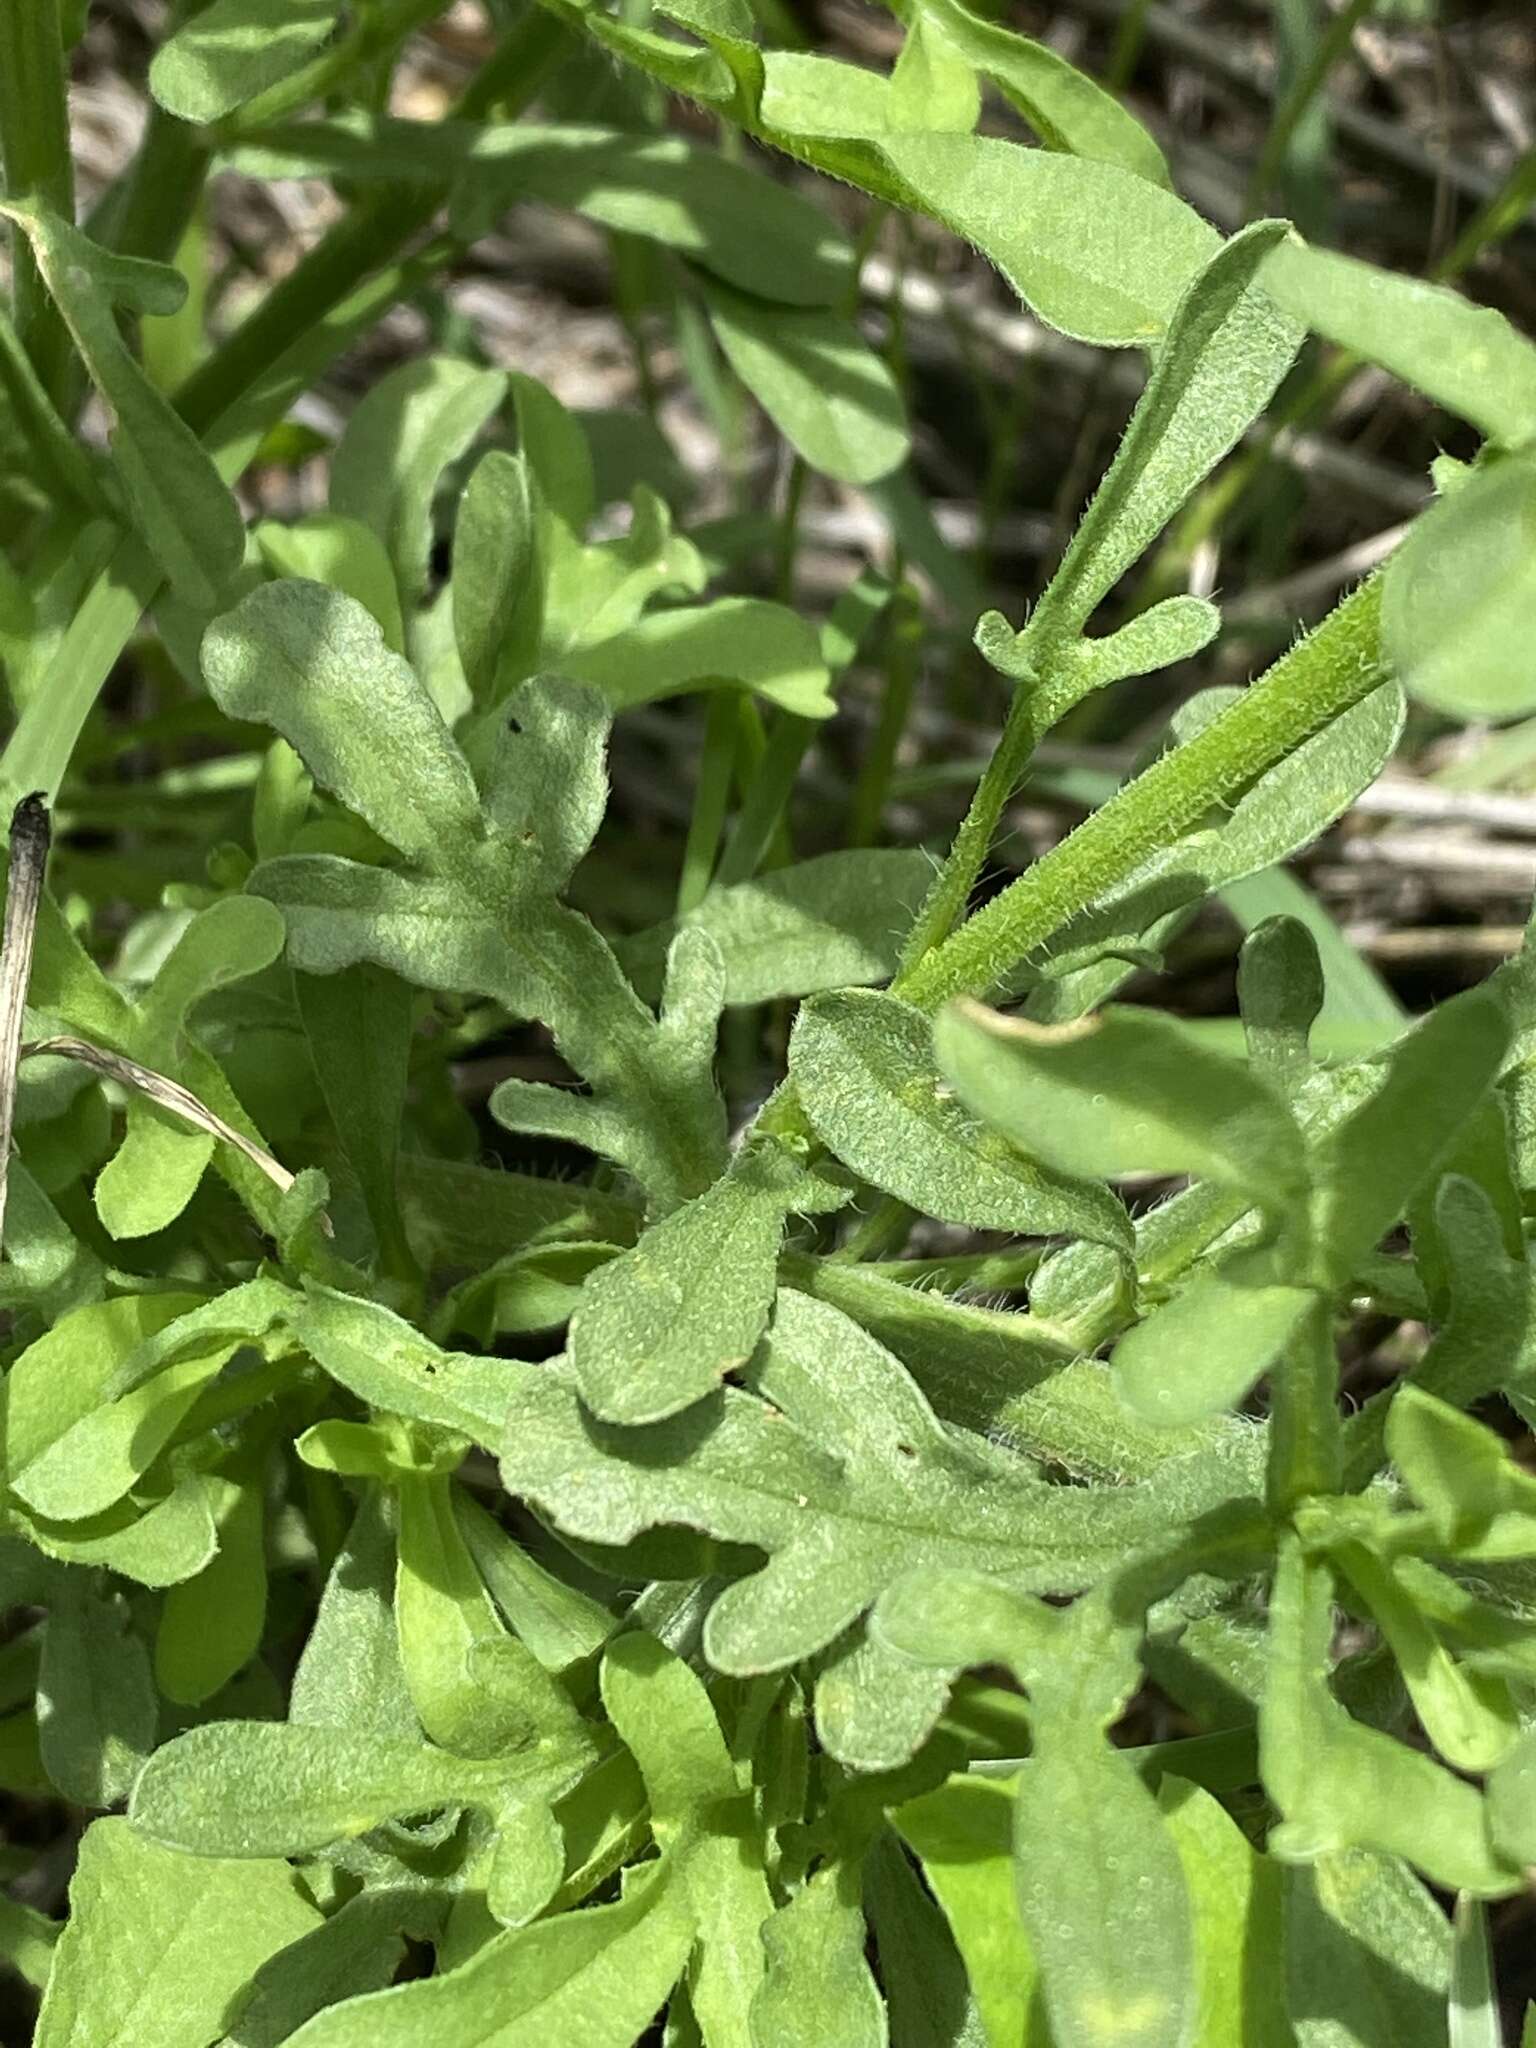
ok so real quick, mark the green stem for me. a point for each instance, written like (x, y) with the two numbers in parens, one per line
(34, 148)
(1321, 677)
(767, 798)
(874, 783)
(712, 795)
(1031, 714)
(1292, 110)
(1305, 1427)
(886, 1228)
(789, 529)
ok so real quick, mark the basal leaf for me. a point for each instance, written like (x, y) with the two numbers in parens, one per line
(347, 554)
(256, 1789)
(96, 1706)
(158, 1943)
(1341, 1785)
(358, 1024)
(313, 665)
(963, 1835)
(834, 921)
(498, 579)
(662, 1325)
(211, 1626)
(727, 217)
(412, 425)
(817, 1986)
(859, 1484)
(703, 1824)
(1367, 1954)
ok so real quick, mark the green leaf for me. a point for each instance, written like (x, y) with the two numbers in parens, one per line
(211, 1626)
(358, 1949)
(1474, 2011)
(1203, 1350)
(729, 218)
(1127, 1091)
(1064, 106)
(314, 665)
(349, 1675)
(864, 1068)
(660, 1326)
(1512, 1801)
(1238, 1900)
(96, 1706)
(963, 1834)
(345, 553)
(359, 1024)
(414, 423)
(1226, 349)
(27, 1942)
(498, 579)
(817, 1987)
(228, 53)
(268, 1788)
(1341, 1785)
(1096, 251)
(1370, 1168)
(377, 1355)
(931, 2003)
(476, 1690)
(703, 1824)
(1467, 358)
(931, 85)
(1459, 603)
(61, 1380)
(1477, 1499)
(180, 505)
(859, 1484)
(592, 1979)
(157, 1943)
(745, 641)
(831, 397)
(1469, 1716)
(561, 1625)
(1367, 1955)
(172, 1540)
(834, 921)
(1280, 993)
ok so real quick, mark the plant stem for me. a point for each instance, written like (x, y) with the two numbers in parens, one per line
(712, 795)
(1292, 110)
(1322, 676)
(789, 529)
(873, 787)
(767, 796)
(1031, 714)
(34, 148)
(1305, 1427)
